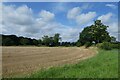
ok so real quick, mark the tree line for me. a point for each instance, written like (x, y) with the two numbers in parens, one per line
(13, 40)
(94, 34)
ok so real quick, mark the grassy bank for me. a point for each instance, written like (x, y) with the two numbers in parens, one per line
(103, 65)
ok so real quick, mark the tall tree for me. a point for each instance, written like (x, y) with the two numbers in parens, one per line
(24, 41)
(56, 39)
(46, 40)
(95, 33)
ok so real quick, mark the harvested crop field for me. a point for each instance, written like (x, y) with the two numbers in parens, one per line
(24, 60)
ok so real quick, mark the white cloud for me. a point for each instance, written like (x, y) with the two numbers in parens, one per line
(59, 7)
(113, 27)
(111, 6)
(46, 15)
(85, 18)
(73, 13)
(21, 15)
(21, 22)
(109, 20)
(0, 17)
(80, 18)
(105, 18)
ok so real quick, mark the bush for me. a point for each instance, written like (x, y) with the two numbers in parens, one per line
(88, 44)
(78, 44)
(105, 45)
(115, 46)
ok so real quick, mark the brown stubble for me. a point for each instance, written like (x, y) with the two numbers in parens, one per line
(25, 60)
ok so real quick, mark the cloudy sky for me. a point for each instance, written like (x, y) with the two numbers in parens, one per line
(35, 19)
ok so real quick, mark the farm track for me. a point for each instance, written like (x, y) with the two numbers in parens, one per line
(24, 60)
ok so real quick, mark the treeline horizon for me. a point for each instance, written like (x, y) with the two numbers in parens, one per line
(13, 40)
(93, 34)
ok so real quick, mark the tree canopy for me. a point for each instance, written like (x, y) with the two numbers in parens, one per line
(96, 33)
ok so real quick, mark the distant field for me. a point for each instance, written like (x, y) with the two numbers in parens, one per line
(103, 65)
(20, 61)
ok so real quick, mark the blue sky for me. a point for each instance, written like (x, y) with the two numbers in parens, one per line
(48, 18)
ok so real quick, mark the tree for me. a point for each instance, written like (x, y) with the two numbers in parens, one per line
(95, 33)
(15, 39)
(35, 42)
(24, 41)
(7, 42)
(39, 42)
(47, 40)
(0, 40)
(56, 39)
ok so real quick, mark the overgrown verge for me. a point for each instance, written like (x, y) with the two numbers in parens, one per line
(108, 46)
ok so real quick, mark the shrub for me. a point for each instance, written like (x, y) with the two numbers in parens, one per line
(78, 44)
(115, 46)
(88, 44)
(105, 45)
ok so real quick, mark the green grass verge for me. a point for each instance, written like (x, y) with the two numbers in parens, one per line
(103, 65)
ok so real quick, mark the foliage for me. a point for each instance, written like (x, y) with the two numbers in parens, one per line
(24, 41)
(95, 33)
(35, 42)
(56, 39)
(51, 41)
(0, 40)
(105, 45)
(78, 44)
(88, 44)
(109, 45)
(115, 45)
(46, 40)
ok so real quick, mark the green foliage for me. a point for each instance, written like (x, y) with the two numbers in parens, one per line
(96, 32)
(0, 40)
(35, 42)
(105, 45)
(11, 40)
(115, 46)
(8, 42)
(46, 40)
(51, 41)
(24, 41)
(88, 44)
(39, 42)
(108, 44)
(56, 39)
(103, 65)
(78, 44)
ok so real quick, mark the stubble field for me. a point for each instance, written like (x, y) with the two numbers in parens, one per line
(18, 61)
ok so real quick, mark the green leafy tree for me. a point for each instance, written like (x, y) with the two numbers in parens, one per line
(24, 41)
(39, 42)
(46, 40)
(56, 39)
(35, 42)
(95, 33)
(7, 42)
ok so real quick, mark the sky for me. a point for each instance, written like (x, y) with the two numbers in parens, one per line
(36, 19)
